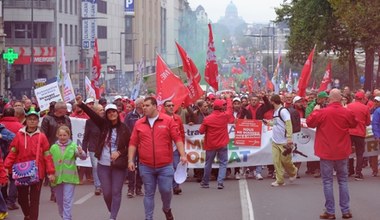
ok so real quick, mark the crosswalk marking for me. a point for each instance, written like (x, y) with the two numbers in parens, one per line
(84, 198)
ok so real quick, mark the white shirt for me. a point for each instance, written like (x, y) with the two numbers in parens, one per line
(152, 120)
(279, 126)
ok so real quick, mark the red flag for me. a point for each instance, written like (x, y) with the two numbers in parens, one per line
(169, 86)
(193, 77)
(188, 65)
(326, 78)
(305, 75)
(269, 85)
(211, 71)
(96, 67)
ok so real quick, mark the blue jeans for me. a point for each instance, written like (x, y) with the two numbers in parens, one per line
(176, 159)
(112, 181)
(151, 177)
(94, 163)
(64, 193)
(327, 168)
(223, 159)
(3, 205)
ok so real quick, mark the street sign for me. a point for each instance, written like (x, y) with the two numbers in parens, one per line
(10, 56)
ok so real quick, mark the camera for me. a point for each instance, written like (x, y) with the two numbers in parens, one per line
(288, 150)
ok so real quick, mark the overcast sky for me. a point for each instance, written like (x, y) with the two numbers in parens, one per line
(252, 11)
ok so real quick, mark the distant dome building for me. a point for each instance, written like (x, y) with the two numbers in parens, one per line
(231, 18)
(201, 14)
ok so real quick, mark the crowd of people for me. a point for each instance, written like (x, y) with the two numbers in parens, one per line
(136, 141)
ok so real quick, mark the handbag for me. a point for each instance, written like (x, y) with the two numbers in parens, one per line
(121, 162)
(26, 173)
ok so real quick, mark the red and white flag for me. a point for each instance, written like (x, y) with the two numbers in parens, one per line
(96, 67)
(169, 86)
(193, 77)
(305, 75)
(327, 79)
(211, 71)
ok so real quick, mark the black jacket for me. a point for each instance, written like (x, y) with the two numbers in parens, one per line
(50, 124)
(105, 126)
(91, 136)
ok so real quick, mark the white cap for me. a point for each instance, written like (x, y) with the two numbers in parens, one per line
(69, 107)
(296, 99)
(89, 100)
(236, 99)
(377, 98)
(118, 97)
(126, 97)
(110, 106)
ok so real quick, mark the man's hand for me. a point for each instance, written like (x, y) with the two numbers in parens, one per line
(131, 166)
(51, 178)
(183, 159)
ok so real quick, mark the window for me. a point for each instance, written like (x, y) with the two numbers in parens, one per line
(43, 30)
(102, 6)
(66, 34)
(102, 32)
(103, 57)
(60, 5)
(71, 6)
(8, 29)
(76, 35)
(66, 6)
(60, 32)
(76, 7)
(71, 34)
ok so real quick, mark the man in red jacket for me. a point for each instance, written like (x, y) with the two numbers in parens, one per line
(363, 117)
(333, 150)
(153, 135)
(216, 139)
(169, 110)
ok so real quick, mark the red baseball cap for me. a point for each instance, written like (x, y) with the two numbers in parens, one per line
(359, 95)
(218, 103)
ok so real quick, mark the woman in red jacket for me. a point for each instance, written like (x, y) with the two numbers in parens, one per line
(24, 148)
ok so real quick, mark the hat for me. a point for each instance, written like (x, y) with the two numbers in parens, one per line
(377, 98)
(359, 95)
(322, 95)
(102, 101)
(89, 100)
(296, 99)
(32, 111)
(111, 106)
(118, 97)
(211, 96)
(180, 173)
(218, 103)
(69, 107)
(237, 99)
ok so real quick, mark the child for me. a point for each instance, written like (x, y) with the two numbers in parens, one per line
(64, 153)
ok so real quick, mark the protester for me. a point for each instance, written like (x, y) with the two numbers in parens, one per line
(91, 138)
(3, 182)
(24, 147)
(114, 143)
(282, 142)
(50, 124)
(152, 137)
(64, 153)
(169, 110)
(134, 178)
(376, 132)
(216, 139)
(333, 151)
(12, 124)
(78, 112)
(358, 134)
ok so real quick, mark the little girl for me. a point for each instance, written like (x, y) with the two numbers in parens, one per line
(64, 153)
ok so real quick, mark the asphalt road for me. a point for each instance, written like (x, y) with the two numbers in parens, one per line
(246, 199)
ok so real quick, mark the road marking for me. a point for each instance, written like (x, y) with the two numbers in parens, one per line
(84, 198)
(246, 202)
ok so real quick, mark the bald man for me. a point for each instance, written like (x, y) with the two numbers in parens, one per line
(333, 150)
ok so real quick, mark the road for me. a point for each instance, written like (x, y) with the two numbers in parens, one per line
(246, 199)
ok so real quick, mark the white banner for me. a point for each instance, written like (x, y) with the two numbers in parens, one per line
(242, 156)
(68, 90)
(90, 92)
(47, 94)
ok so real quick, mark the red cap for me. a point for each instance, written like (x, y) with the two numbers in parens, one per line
(218, 103)
(359, 95)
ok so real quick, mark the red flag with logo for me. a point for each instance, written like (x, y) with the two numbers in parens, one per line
(193, 77)
(326, 80)
(169, 86)
(305, 75)
(96, 67)
(211, 71)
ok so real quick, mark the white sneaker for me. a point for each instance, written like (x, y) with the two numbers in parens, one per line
(237, 176)
(259, 177)
(292, 178)
(275, 184)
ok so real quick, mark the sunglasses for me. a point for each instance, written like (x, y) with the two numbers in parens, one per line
(169, 106)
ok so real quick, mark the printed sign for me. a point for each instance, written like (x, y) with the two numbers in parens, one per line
(89, 9)
(47, 94)
(129, 7)
(248, 132)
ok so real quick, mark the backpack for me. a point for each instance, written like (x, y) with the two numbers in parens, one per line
(295, 118)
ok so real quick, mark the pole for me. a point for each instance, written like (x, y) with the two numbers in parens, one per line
(32, 49)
